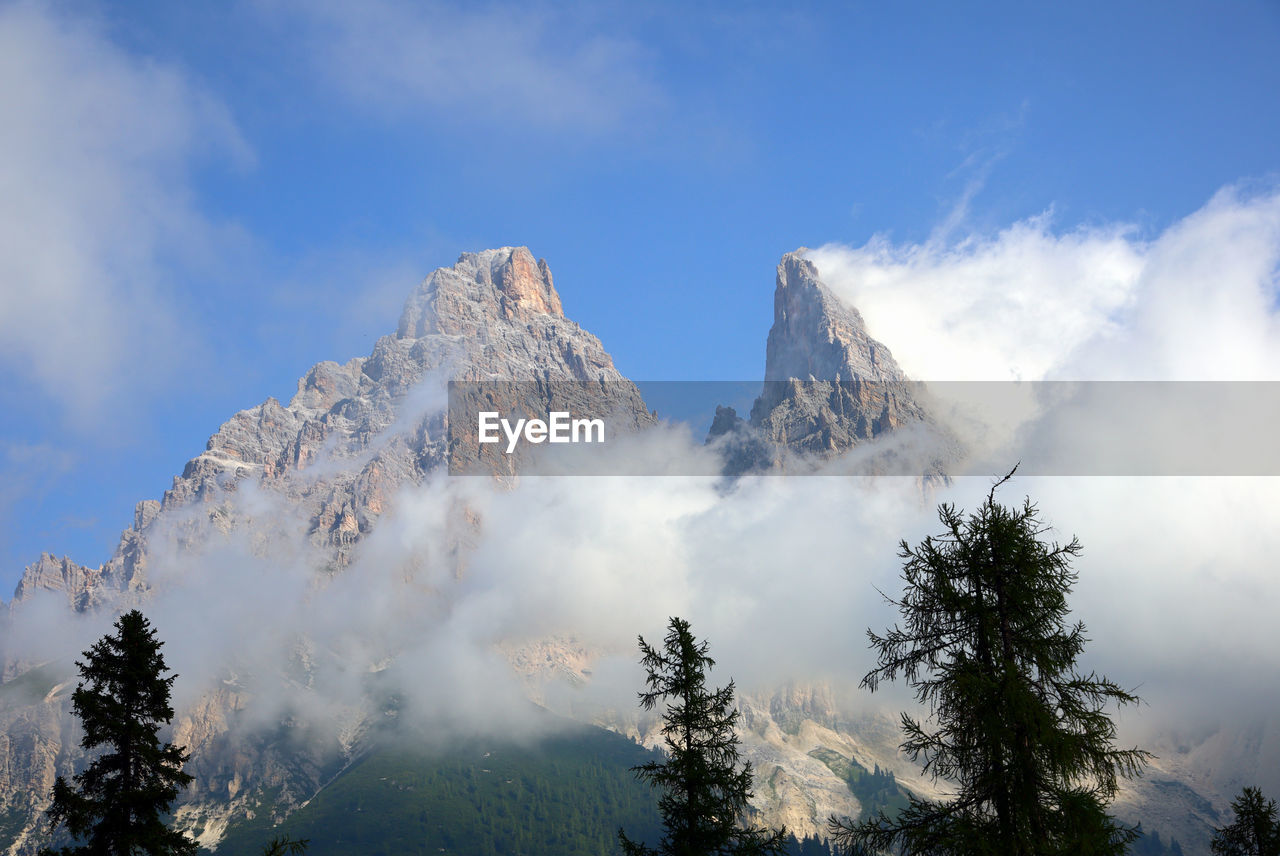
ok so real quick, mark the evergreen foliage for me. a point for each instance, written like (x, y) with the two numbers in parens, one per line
(1255, 830)
(807, 846)
(1023, 735)
(282, 845)
(704, 792)
(1150, 844)
(117, 805)
(563, 796)
(877, 790)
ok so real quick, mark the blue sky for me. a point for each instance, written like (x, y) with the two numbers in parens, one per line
(201, 202)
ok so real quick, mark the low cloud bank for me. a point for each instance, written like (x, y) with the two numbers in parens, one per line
(1196, 302)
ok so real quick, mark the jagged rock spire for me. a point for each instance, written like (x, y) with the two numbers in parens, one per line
(828, 385)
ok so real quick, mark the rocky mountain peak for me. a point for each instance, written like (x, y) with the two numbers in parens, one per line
(50, 573)
(815, 336)
(493, 316)
(828, 385)
(505, 284)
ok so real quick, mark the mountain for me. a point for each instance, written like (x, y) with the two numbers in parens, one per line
(828, 385)
(494, 315)
(336, 455)
(302, 514)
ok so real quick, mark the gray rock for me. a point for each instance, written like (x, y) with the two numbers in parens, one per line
(828, 385)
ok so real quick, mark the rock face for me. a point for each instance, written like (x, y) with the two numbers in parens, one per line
(78, 583)
(481, 290)
(828, 385)
(85, 588)
(815, 336)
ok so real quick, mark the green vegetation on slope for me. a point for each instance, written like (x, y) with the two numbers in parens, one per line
(565, 796)
(875, 789)
(878, 789)
(1150, 844)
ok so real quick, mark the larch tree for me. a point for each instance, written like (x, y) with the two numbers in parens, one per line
(1255, 830)
(1021, 735)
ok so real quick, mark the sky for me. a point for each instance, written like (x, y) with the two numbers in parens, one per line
(200, 202)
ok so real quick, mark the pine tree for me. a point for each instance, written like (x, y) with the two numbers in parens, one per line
(117, 805)
(1255, 830)
(282, 845)
(704, 800)
(1021, 734)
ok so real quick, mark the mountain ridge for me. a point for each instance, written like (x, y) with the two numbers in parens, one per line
(502, 319)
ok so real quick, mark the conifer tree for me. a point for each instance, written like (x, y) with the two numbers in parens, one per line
(283, 845)
(704, 792)
(1023, 737)
(116, 806)
(1255, 831)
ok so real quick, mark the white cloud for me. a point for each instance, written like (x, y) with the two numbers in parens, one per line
(1008, 307)
(1206, 304)
(1199, 302)
(521, 65)
(95, 216)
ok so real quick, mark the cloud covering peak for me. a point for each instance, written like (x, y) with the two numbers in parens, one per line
(1198, 301)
